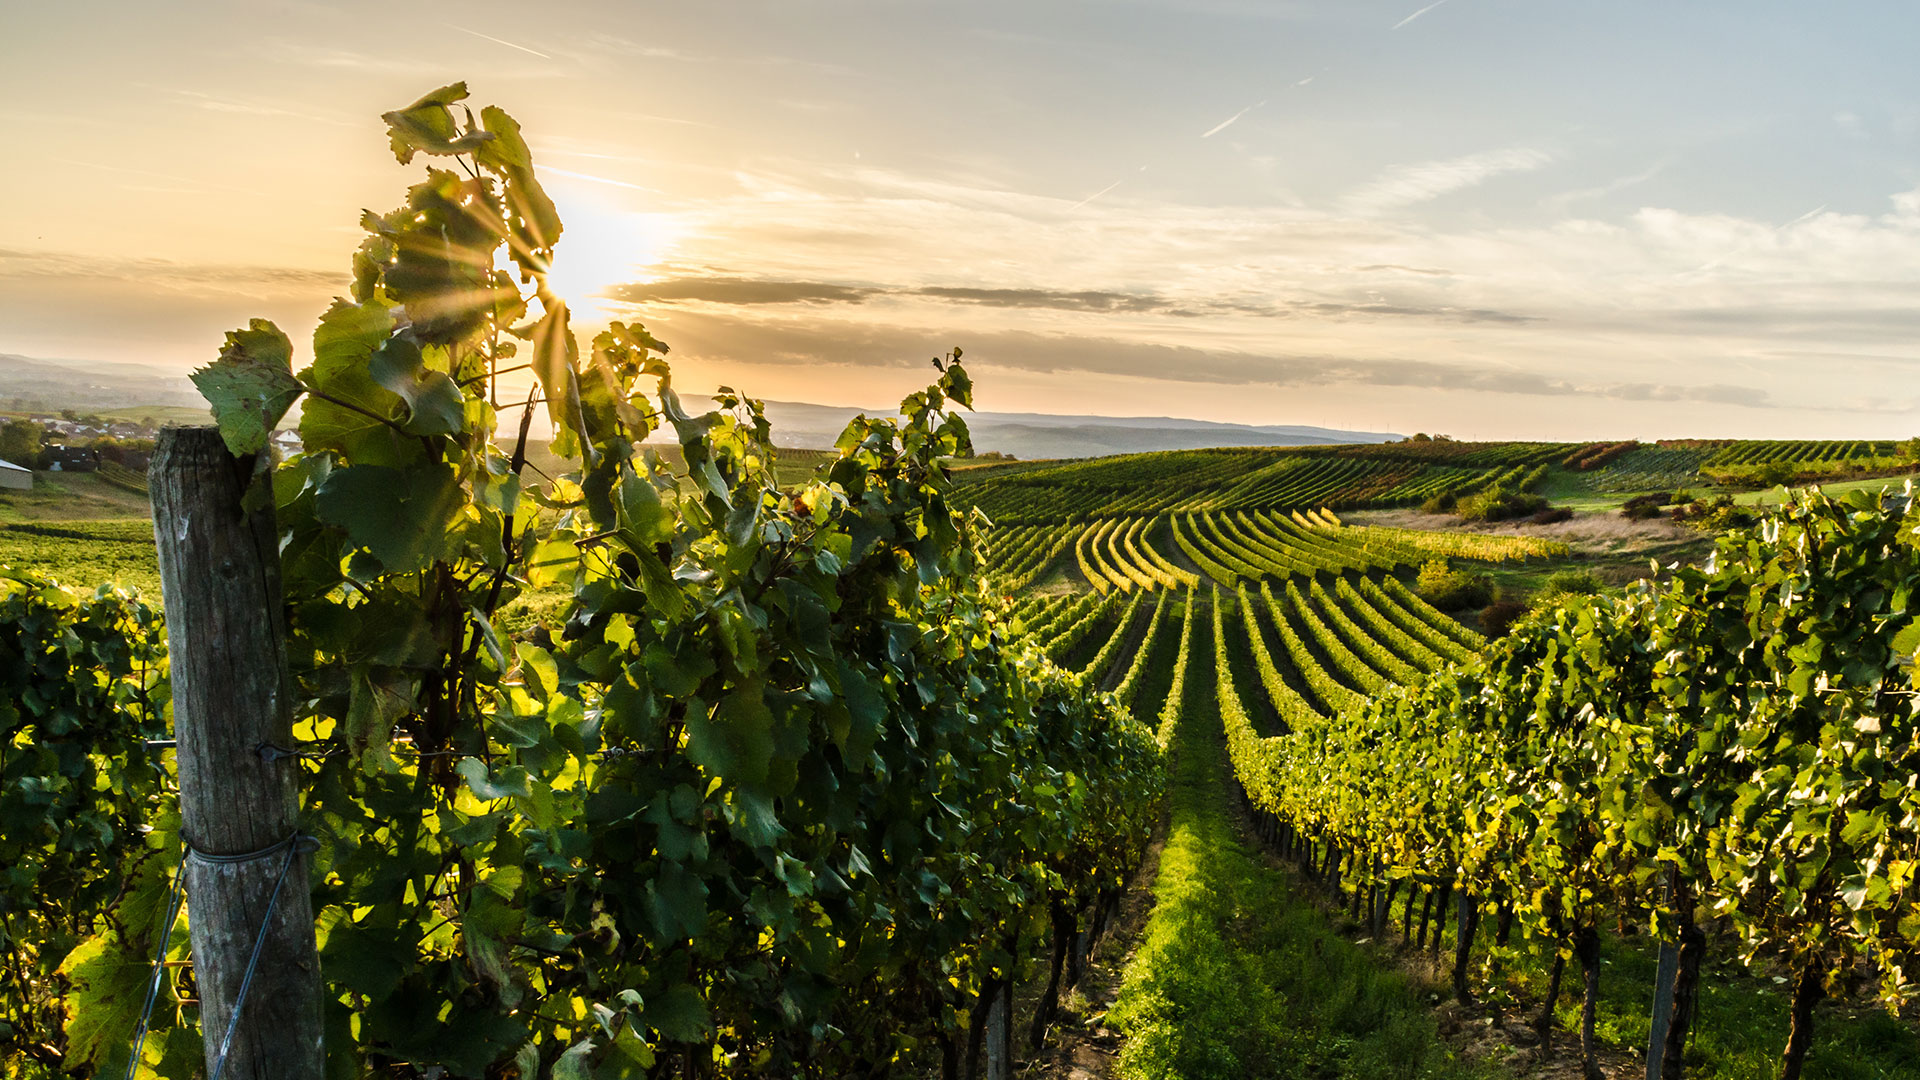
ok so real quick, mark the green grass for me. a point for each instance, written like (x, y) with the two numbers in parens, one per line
(1742, 1024)
(84, 553)
(71, 496)
(1236, 977)
(158, 415)
(1776, 496)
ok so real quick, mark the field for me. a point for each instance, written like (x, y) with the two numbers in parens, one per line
(1230, 598)
(1283, 648)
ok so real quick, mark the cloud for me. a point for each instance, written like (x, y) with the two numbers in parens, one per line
(162, 273)
(733, 290)
(807, 342)
(737, 291)
(1407, 185)
(1558, 203)
(1047, 298)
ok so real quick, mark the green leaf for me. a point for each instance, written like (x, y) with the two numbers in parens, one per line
(680, 1014)
(485, 928)
(676, 903)
(435, 405)
(556, 364)
(400, 516)
(641, 511)
(427, 126)
(531, 214)
(868, 709)
(363, 959)
(735, 740)
(576, 1063)
(251, 386)
(343, 346)
(379, 698)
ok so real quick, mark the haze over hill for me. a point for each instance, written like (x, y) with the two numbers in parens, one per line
(30, 384)
(1046, 435)
(49, 385)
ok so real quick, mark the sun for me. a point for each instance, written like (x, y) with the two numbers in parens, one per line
(605, 246)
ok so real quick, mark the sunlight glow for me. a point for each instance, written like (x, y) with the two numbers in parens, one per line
(605, 246)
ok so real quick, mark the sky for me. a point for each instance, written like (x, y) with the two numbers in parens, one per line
(1489, 218)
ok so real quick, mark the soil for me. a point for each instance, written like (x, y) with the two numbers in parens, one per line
(1079, 1045)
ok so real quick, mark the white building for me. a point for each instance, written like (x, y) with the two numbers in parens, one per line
(13, 476)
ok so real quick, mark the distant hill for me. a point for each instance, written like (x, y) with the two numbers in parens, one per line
(52, 385)
(35, 384)
(1043, 435)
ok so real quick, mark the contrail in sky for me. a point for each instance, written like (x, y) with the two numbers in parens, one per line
(1228, 122)
(522, 48)
(590, 176)
(1417, 14)
(1097, 194)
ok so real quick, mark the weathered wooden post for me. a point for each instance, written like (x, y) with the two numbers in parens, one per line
(1000, 1033)
(249, 911)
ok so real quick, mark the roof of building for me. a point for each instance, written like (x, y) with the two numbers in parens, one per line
(16, 468)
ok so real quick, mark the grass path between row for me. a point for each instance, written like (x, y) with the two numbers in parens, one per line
(1235, 979)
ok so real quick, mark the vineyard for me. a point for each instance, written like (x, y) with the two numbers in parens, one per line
(614, 758)
(1542, 789)
(1388, 475)
(1179, 550)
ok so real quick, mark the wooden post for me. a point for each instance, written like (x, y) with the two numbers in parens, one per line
(1000, 1033)
(1669, 966)
(226, 644)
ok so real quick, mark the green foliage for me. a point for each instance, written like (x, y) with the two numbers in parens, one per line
(1450, 589)
(1746, 729)
(1236, 976)
(1565, 583)
(1500, 503)
(20, 442)
(77, 553)
(81, 684)
(1774, 473)
(251, 386)
(781, 792)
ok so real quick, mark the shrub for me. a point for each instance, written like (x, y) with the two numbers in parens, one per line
(1501, 503)
(1715, 516)
(1453, 590)
(1500, 616)
(1442, 503)
(1582, 582)
(1552, 515)
(1642, 507)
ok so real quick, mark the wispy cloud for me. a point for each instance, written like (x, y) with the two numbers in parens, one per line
(1407, 185)
(501, 41)
(1229, 121)
(1559, 203)
(1417, 14)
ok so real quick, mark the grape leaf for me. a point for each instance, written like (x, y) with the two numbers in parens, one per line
(534, 220)
(251, 386)
(400, 516)
(435, 405)
(427, 126)
(555, 358)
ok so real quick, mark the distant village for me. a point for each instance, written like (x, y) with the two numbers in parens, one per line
(69, 441)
